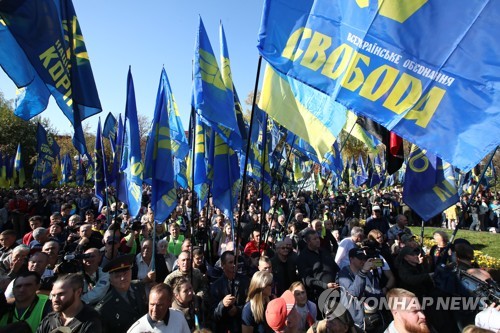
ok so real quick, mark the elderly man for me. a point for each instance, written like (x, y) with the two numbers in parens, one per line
(142, 269)
(125, 301)
(160, 318)
(16, 262)
(69, 310)
(406, 311)
(52, 249)
(398, 228)
(377, 221)
(345, 245)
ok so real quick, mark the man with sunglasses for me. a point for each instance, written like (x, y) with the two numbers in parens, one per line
(126, 301)
(96, 282)
(111, 247)
(284, 265)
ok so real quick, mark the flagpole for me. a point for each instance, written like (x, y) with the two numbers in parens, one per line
(244, 181)
(262, 163)
(473, 194)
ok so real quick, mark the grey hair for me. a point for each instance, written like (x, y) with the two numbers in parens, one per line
(38, 232)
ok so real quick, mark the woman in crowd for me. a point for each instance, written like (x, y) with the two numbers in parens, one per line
(253, 318)
(306, 309)
(183, 300)
(225, 240)
(438, 253)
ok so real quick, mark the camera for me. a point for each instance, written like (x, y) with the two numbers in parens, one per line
(77, 256)
(486, 290)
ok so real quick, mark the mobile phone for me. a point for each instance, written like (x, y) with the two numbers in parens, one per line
(378, 262)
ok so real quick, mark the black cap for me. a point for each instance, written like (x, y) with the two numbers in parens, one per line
(358, 253)
(408, 250)
(119, 264)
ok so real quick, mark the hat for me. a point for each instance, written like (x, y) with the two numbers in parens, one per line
(408, 250)
(358, 253)
(119, 264)
(407, 237)
(278, 310)
(376, 208)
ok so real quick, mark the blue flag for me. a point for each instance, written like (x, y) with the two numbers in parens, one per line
(180, 171)
(226, 182)
(47, 147)
(430, 185)
(42, 174)
(131, 157)
(200, 181)
(409, 65)
(333, 160)
(99, 171)
(361, 174)
(109, 129)
(80, 173)
(117, 154)
(159, 164)
(53, 43)
(32, 96)
(66, 169)
(375, 179)
(210, 97)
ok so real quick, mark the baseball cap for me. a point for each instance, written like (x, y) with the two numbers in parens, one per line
(407, 237)
(278, 310)
(376, 208)
(358, 253)
(408, 250)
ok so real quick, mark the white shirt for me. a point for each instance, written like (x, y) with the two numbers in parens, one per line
(176, 323)
(342, 256)
(142, 267)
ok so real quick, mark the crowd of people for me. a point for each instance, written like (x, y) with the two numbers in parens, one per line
(315, 262)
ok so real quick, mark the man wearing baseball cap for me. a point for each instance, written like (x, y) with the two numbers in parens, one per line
(376, 221)
(281, 315)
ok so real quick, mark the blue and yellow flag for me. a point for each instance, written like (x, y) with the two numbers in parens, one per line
(19, 166)
(158, 162)
(226, 182)
(301, 110)
(53, 43)
(211, 99)
(429, 186)
(99, 174)
(227, 78)
(131, 157)
(375, 179)
(200, 181)
(42, 174)
(180, 171)
(395, 63)
(47, 147)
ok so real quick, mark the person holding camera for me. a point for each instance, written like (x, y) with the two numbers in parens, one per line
(357, 281)
(96, 282)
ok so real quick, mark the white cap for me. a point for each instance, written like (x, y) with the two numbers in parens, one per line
(376, 208)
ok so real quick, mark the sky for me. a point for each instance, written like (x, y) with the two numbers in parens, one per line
(148, 35)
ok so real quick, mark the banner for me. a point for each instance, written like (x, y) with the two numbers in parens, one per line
(425, 69)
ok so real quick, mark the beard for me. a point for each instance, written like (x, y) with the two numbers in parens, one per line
(61, 306)
(416, 328)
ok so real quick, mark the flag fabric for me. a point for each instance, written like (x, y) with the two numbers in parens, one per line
(131, 164)
(53, 43)
(210, 98)
(99, 172)
(158, 162)
(180, 145)
(226, 177)
(66, 169)
(391, 61)
(346, 174)
(47, 147)
(180, 171)
(80, 173)
(200, 181)
(361, 174)
(300, 109)
(42, 173)
(109, 128)
(353, 127)
(19, 166)
(430, 185)
(227, 78)
(333, 160)
(117, 154)
(32, 96)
